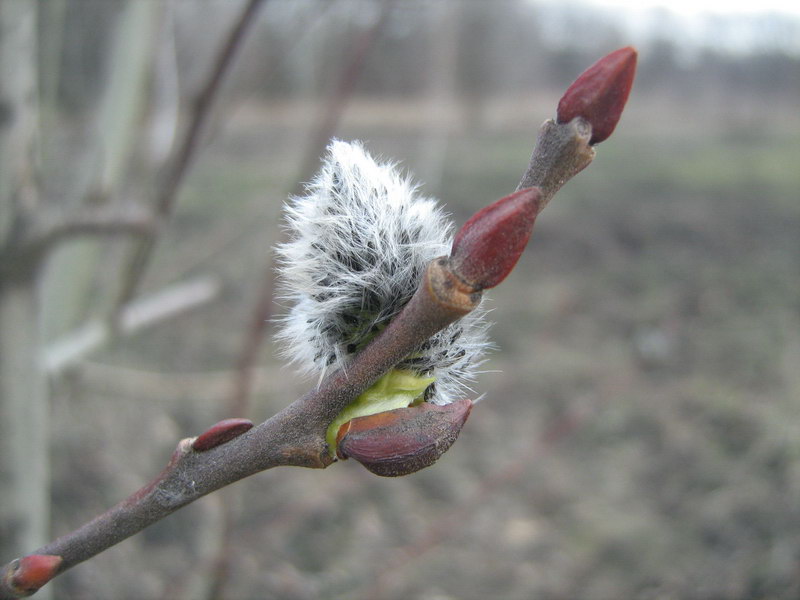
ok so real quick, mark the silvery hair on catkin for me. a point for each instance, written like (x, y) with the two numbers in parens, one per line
(359, 241)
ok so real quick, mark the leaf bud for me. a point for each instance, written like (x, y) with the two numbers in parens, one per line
(599, 94)
(220, 433)
(29, 573)
(491, 242)
(402, 441)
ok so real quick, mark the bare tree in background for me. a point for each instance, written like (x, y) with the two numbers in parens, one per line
(23, 399)
(40, 215)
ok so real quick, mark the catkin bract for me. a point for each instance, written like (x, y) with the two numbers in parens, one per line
(359, 241)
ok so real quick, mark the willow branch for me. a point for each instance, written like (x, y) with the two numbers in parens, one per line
(32, 242)
(295, 436)
(484, 251)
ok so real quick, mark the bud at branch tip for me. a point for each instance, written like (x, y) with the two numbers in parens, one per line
(599, 94)
(32, 572)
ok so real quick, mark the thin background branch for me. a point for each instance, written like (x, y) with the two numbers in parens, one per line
(142, 313)
(186, 152)
(238, 403)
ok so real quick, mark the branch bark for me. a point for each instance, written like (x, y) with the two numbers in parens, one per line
(24, 457)
(483, 253)
(296, 435)
(293, 437)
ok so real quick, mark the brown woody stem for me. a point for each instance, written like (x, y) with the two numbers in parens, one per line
(296, 435)
(562, 151)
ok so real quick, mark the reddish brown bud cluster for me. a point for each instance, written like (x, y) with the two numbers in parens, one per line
(402, 441)
(222, 432)
(599, 94)
(32, 572)
(490, 243)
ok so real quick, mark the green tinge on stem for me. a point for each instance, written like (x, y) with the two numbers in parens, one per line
(396, 389)
(403, 441)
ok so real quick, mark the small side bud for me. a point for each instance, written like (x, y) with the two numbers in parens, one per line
(599, 94)
(32, 572)
(490, 243)
(222, 432)
(402, 441)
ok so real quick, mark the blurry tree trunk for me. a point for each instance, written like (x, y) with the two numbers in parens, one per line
(24, 488)
(69, 294)
(24, 468)
(441, 84)
(44, 283)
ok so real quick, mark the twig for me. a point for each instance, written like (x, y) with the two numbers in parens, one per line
(334, 107)
(33, 244)
(187, 149)
(296, 435)
(262, 312)
(205, 387)
(326, 125)
(140, 314)
(483, 253)
(111, 220)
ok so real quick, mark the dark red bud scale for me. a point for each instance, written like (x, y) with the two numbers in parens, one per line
(222, 432)
(599, 94)
(490, 243)
(32, 572)
(402, 441)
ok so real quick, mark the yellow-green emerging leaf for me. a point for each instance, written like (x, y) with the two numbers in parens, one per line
(397, 389)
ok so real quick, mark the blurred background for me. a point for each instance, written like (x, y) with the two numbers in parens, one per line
(640, 433)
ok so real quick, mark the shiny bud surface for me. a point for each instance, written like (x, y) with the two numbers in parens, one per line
(220, 433)
(599, 94)
(491, 242)
(404, 440)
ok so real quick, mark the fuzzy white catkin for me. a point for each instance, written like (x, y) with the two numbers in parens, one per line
(359, 242)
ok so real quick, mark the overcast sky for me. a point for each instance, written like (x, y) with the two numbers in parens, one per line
(730, 25)
(700, 6)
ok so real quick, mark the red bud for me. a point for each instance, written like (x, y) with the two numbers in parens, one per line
(404, 440)
(222, 432)
(488, 246)
(599, 94)
(32, 572)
